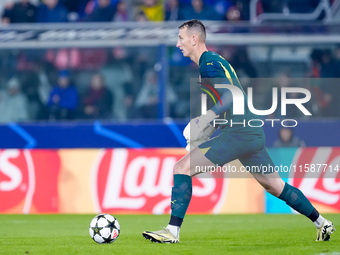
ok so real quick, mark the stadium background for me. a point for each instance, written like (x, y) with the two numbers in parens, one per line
(113, 149)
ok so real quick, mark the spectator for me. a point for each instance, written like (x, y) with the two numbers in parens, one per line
(172, 11)
(122, 13)
(20, 12)
(63, 99)
(92, 4)
(13, 103)
(104, 12)
(153, 10)
(316, 57)
(197, 10)
(244, 7)
(328, 65)
(5, 10)
(97, 101)
(129, 97)
(148, 97)
(52, 12)
(119, 78)
(30, 85)
(43, 90)
(287, 139)
(75, 8)
(233, 14)
(140, 17)
(220, 8)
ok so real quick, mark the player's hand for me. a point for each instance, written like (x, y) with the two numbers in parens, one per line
(186, 132)
(203, 137)
(195, 128)
(193, 144)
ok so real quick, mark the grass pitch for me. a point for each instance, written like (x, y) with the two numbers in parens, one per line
(201, 234)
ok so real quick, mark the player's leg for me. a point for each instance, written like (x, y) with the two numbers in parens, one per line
(211, 153)
(181, 193)
(272, 183)
(297, 200)
(217, 151)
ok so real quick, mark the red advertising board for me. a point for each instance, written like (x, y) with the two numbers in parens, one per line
(28, 181)
(317, 174)
(134, 180)
(140, 181)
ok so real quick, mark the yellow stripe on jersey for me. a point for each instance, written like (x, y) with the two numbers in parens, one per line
(204, 150)
(232, 69)
(227, 74)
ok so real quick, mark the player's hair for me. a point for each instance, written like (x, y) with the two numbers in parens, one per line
(197, 26)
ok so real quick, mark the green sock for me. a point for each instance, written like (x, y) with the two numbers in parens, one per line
(181, 195)
(297, 200)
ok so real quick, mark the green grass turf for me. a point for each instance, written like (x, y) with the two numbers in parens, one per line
(201, 234)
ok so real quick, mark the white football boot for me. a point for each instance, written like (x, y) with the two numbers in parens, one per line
(324, 233)
(161, 236)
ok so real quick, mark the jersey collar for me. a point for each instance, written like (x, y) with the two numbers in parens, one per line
(201, 58)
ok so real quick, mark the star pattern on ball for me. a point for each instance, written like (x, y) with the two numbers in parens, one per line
(107, 240)
(96, 229)
(111, 225)
(101, 216)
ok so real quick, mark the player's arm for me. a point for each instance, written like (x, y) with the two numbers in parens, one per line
(214, 69)
(226, 101)
(199, 128)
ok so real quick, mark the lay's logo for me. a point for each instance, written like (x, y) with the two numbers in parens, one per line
(127, 180)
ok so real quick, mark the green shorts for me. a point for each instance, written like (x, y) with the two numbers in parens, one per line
(248, 148)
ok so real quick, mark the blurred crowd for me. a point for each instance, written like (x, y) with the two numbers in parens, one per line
(124, 83)
(47, 11)
(321, 78)
(77, 84)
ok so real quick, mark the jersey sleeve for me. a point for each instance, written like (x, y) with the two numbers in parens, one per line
(224, 105)
(213, 69)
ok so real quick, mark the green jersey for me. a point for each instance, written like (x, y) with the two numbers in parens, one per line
(212, 66)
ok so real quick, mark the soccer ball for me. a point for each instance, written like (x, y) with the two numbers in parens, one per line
(104, 228)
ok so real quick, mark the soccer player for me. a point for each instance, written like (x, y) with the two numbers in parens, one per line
(234, 142)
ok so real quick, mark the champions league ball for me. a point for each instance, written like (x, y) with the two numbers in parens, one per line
(104, 228)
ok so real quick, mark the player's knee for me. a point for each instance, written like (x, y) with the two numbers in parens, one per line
(179, 169)
(273, 186)
(270, 187)
(274, 190)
